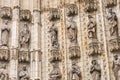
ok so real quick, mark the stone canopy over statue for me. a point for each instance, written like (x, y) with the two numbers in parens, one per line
(5, 34)
(24, 37)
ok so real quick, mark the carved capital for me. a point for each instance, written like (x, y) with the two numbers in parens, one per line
(55, 55)
(72, 10)
(6, 13)
(94, 48)
(25, 15)
(114, 44)
(24, 56)
(110, 3)
(4, 55)
(54, 14)
(74, 52)
(90, 6)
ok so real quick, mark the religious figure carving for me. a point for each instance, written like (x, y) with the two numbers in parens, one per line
(113, 23)
(5, 34)
(92, 30)
(55, 74)
(95, 70)
(24, 37)
(72, 31)
(23, 74)
(54, 36)
(75, 73)
(116, 67)
(4, 73)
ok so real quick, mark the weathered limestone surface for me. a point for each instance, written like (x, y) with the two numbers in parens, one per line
(60, 40)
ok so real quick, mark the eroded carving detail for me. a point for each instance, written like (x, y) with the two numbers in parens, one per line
(54, 14)
(95, 70)
(90, 5)
(111, 3)
(5, 34)
(75, 73)
(72, 10)
(6, 13)
(24, 38)
(55, 73)
(25, 15)
(23, 74)
(3, 73)
(4, 55)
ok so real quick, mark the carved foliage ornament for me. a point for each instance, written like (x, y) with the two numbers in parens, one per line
(90, 5)
(6, 13)
(110, 3)
(25, 15)
(54, 14)
(72, 10)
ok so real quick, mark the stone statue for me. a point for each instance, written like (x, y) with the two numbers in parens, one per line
(54, 36)
(113, 23)
(23, 74)
(75, 73)
(5, 33)
(24, 37)
(95, 70)
(72, 31)
(116, 67)
(92, 30)
(55, 74)
(3, 73)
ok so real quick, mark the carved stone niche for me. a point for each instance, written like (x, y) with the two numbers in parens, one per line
(110, 3)
(6, 13)
(25, 15)
(72, 10)
(115, 44)
(74, 52)
(54, 14)
(55, 55)
(94, 48)
(90, 5)
(24, 56)
(4, 55)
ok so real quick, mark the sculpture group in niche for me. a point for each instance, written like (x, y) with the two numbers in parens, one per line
(72, 31)
(5, 34)
(113, 23)
(95, 70)
(75, 73)
(4, 73)
(92, 29)
(54, 36)
(55, 73)
(23, 74)
(24, 38)
(116, 67)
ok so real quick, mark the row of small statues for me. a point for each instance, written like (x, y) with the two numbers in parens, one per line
(24, 36)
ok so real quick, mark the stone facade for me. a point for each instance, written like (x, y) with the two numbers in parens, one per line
(59, 40)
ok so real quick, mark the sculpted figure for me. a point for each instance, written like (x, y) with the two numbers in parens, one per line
(3, 73)
(23, 74)
(75, 73)
(55, 74)
(24, 37)
(72, 31)
(116, 67)
(113, 23)
(5, 34)
(54, 36)
(95, 70)
(92, 30)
